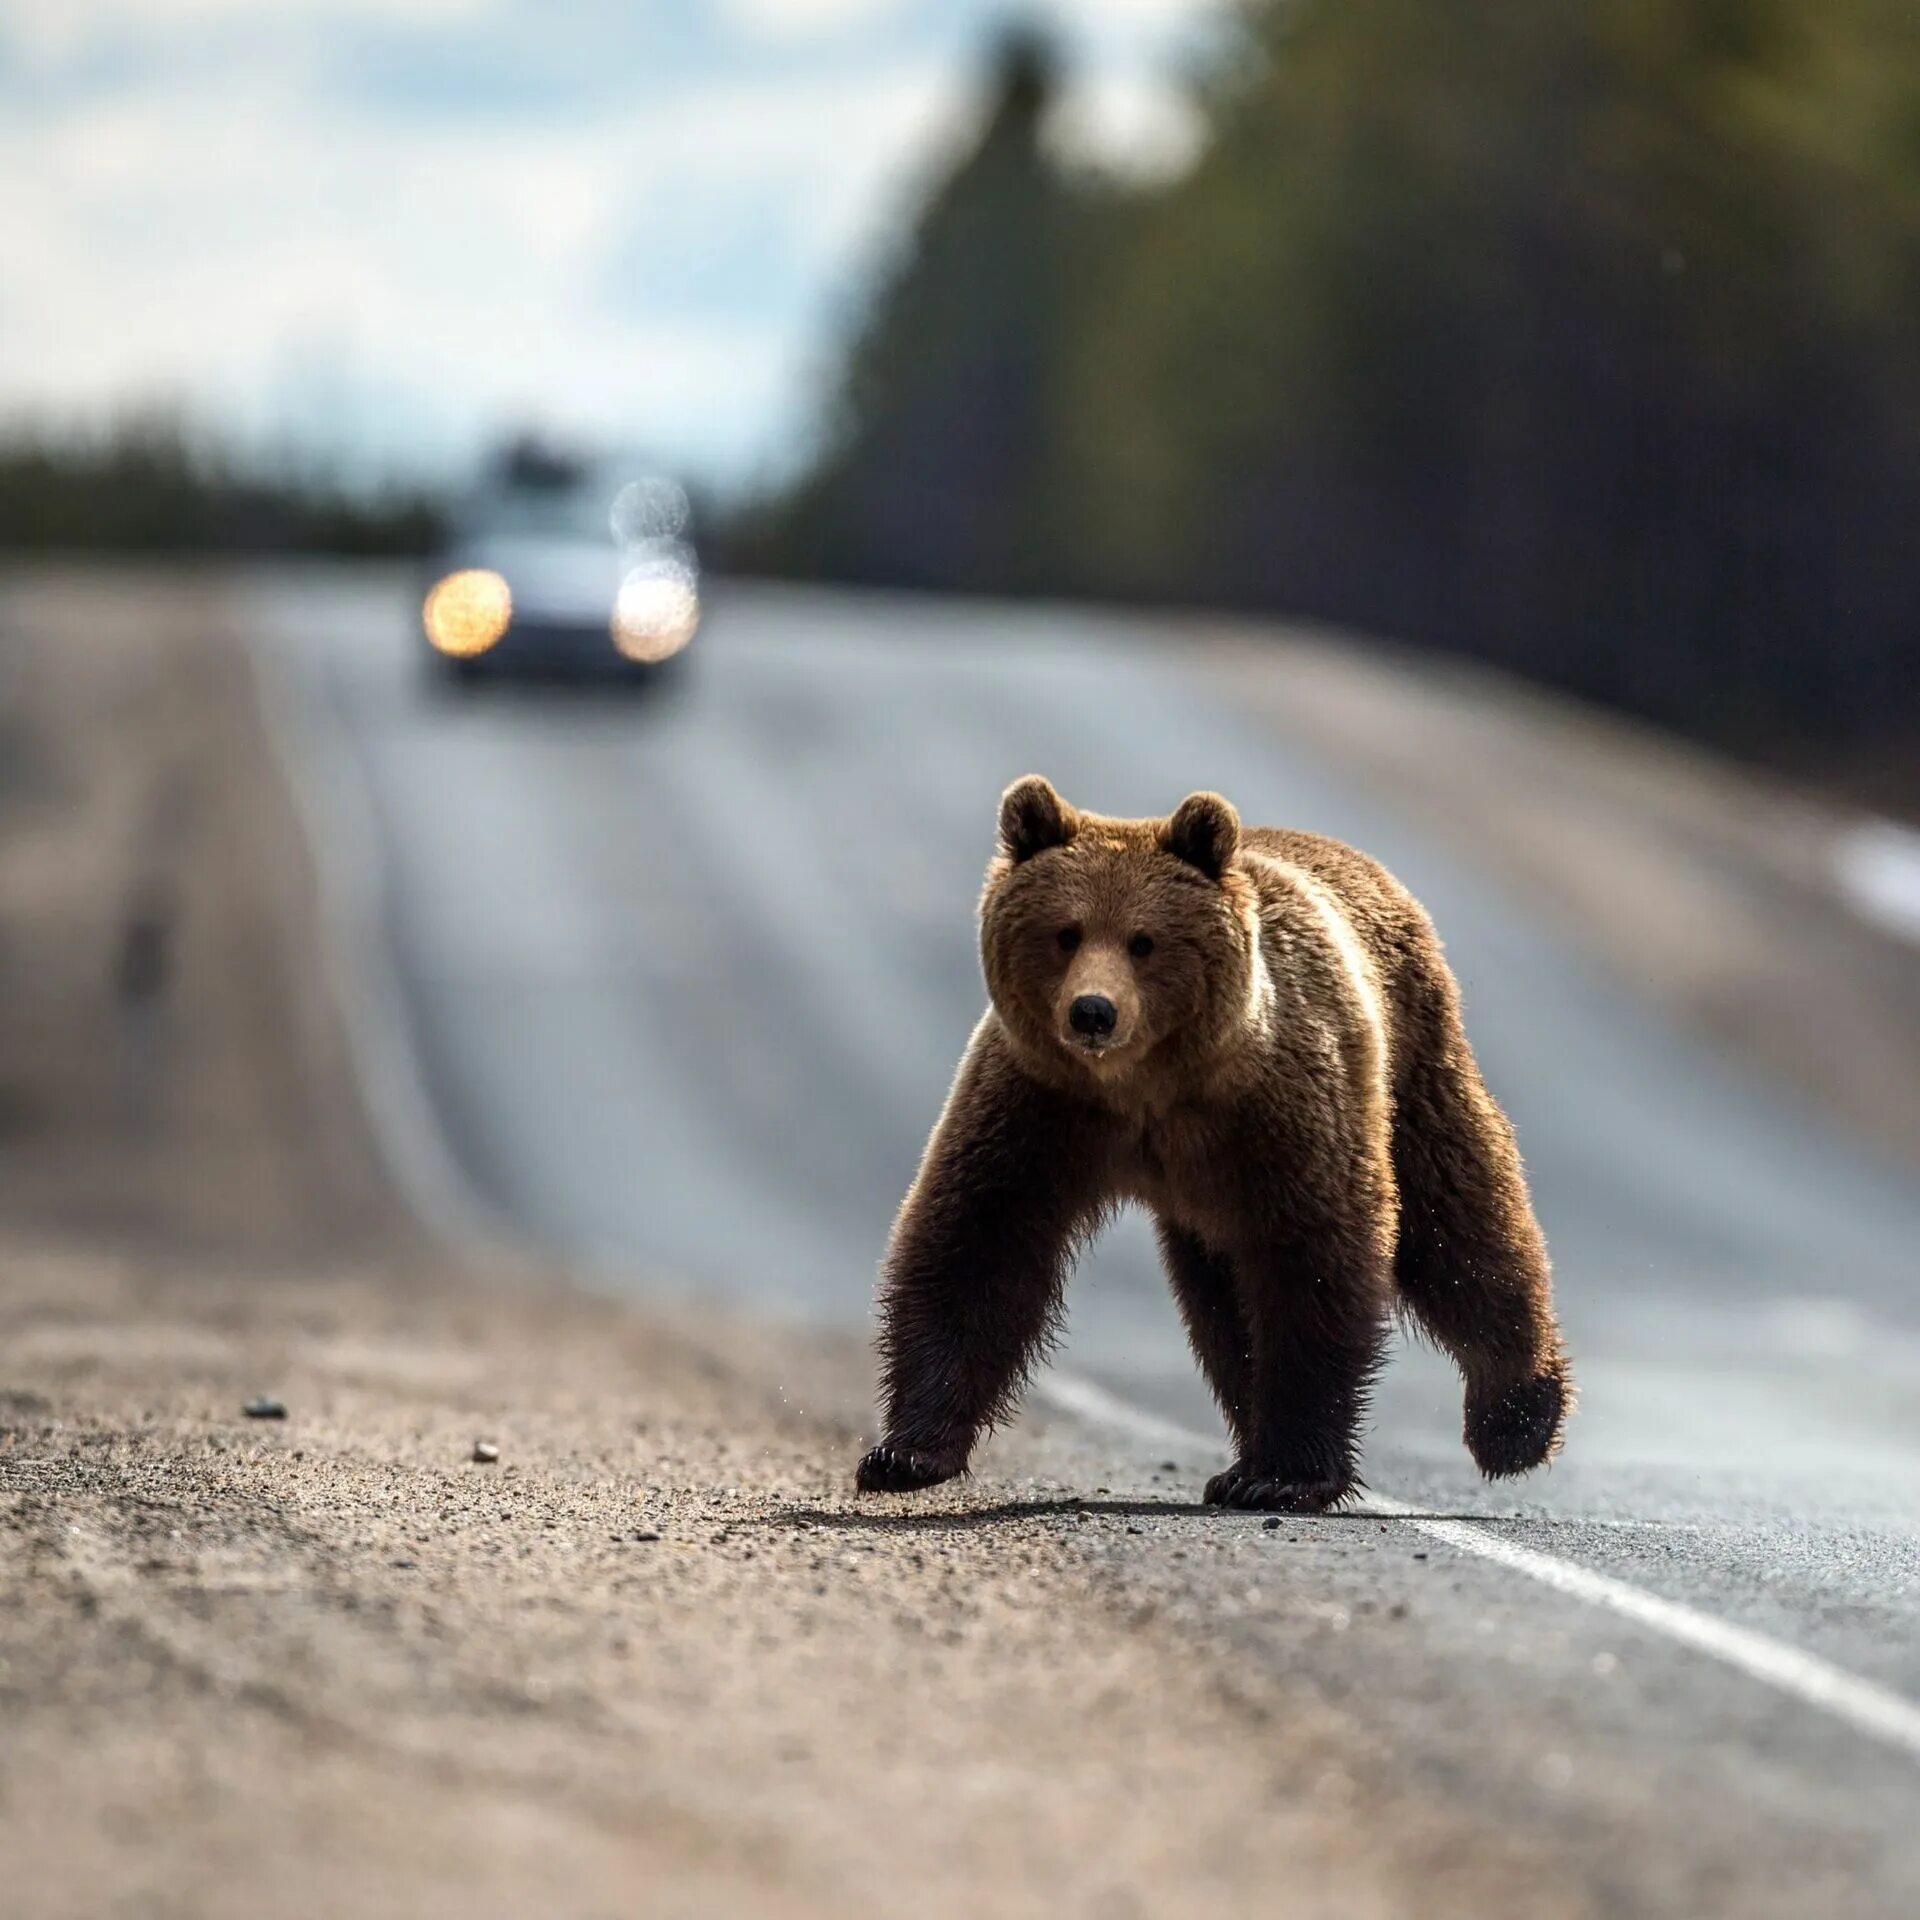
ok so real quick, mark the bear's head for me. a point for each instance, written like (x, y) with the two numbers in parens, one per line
(1109, 944)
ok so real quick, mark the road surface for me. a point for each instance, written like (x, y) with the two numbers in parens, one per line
(686, 979)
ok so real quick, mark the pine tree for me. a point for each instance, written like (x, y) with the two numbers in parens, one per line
(938, 460)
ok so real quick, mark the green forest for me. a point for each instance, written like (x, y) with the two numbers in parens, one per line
(1580, 336)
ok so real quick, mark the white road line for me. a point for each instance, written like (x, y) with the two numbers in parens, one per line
(1869, 1709)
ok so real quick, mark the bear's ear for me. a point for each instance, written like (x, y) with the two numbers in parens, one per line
(1033, 818)
(1204, 832)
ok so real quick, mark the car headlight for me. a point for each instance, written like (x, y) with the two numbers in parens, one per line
(655, 615)
(467, 612)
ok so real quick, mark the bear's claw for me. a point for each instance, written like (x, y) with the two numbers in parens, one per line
(1516, 1429)
(895, 1469)
(1248, 1488)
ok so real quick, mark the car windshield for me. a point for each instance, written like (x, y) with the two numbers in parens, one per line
(536, 496)
(575, 510)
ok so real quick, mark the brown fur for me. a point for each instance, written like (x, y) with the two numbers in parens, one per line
(1286, 1086)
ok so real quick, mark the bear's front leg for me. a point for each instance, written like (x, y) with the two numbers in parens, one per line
(1316, 1312)
(970, 1290)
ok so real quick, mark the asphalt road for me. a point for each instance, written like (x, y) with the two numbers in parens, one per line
(687, 978)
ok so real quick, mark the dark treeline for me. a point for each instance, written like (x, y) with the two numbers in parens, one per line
(1582, 336)
(144, 487)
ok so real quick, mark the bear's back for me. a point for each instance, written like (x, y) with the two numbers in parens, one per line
(1389, 923)
(1376, 904)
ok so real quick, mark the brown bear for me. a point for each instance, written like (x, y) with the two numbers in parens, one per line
(1252, 1033)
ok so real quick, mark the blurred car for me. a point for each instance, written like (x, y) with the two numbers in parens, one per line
(561, 568)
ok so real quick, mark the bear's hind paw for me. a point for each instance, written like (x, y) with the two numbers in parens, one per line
(896, 1469)
(1519, 1428)
(1247, 1487)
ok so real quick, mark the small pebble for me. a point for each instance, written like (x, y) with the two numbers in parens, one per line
(646, 1536)
(1419, 1556)
(1169, 1466)
(1272, 1526)
(263, 1408)
(485, 1452)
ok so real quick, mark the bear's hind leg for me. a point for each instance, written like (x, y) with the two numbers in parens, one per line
(1317, 1315)
(1472, 1265)
(1203, 1285)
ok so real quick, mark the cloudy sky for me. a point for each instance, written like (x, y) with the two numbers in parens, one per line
(382, 227)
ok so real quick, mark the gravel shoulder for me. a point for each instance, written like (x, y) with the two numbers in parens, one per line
(650, 1659)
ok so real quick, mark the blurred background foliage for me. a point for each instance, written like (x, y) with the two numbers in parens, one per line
(146, 484)
(1579, 336)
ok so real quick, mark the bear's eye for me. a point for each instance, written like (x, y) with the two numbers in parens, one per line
(1140, 945)
(1069, 938)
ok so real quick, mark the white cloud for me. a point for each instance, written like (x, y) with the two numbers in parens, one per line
(794, 20)
(459, 262)
(1141, 29)
(48, 32)
(1161, 15)
(839, 151)
(1137, 124)
(224, 228)
(1081, 22)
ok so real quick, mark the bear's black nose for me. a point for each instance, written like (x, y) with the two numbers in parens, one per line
(1093, 1015)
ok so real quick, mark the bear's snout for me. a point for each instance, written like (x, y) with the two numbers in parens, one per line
(1096, 1011)
(1093, 1017)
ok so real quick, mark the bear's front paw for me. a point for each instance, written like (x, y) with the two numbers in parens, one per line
(1515, 1428)
(896, 1469)
(1257, 1490)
